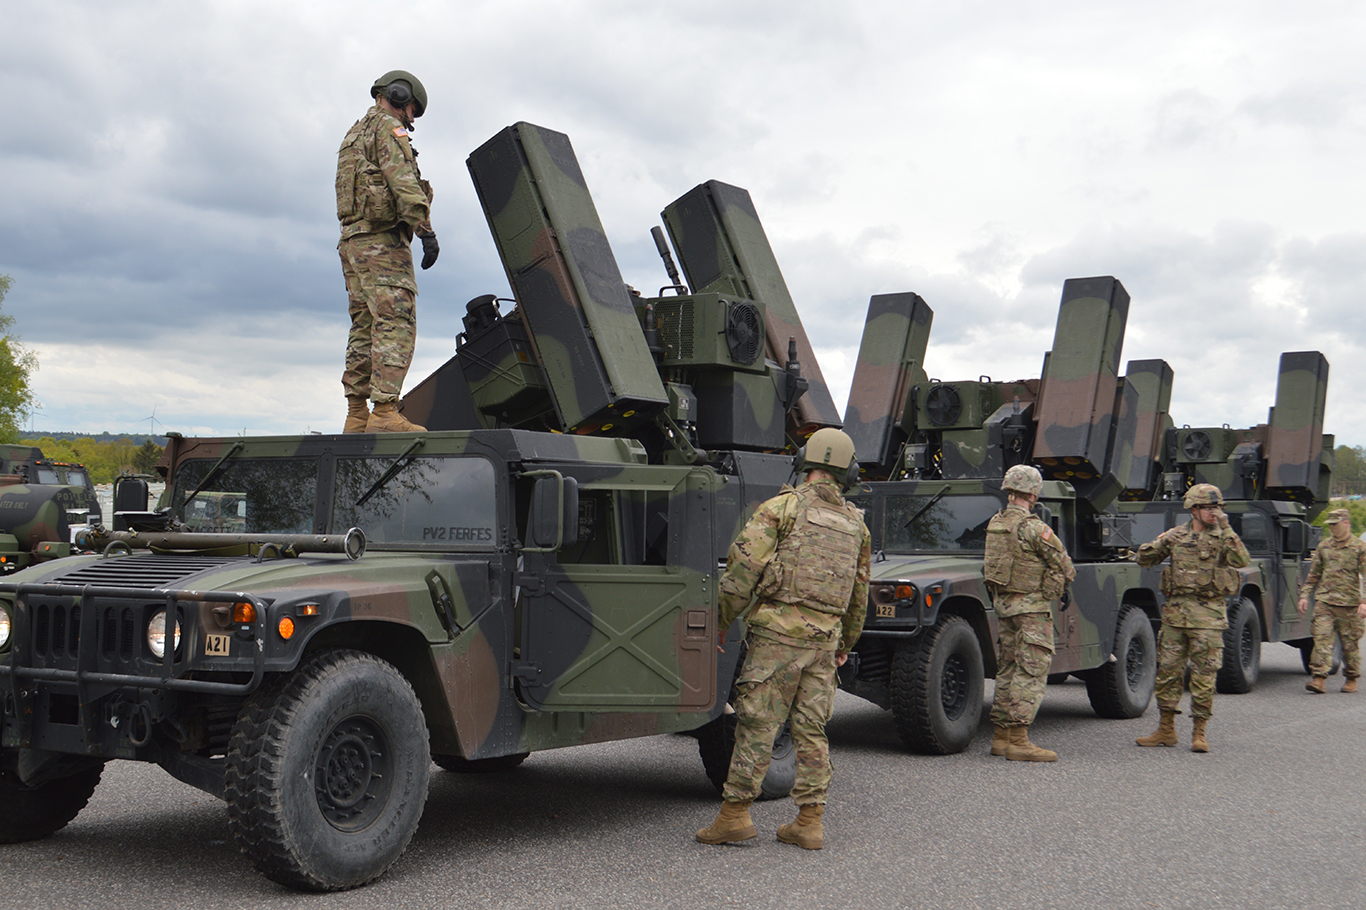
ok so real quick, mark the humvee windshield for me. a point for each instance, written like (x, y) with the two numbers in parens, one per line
(274, 496)
(931, 522)
(442, 503)
(448, 503)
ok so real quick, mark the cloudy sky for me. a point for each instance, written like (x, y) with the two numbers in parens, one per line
(168, 215)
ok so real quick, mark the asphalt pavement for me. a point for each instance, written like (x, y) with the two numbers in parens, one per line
(1270, 818)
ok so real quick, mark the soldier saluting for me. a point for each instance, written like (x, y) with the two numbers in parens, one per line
(1335, 575)
(1205, 556)
(803, 559)
(1027, 569)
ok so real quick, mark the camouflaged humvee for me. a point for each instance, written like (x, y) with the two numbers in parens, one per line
(304, 624)
(1115, 472)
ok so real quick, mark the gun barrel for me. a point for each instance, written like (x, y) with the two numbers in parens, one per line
(657, 233)
(352, 543)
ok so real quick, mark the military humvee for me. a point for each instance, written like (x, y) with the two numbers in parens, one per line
(1115, 472)
(303, 622)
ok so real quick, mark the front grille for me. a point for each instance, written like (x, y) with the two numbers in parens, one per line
(149, 571)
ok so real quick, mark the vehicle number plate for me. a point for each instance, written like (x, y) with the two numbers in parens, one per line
(217, 645)
(886, 610)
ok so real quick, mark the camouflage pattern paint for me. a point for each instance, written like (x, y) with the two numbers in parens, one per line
(1152, 379)
(1077, 402)
(1295, 426)
(880, 414)
(722, 248)
(578, 311)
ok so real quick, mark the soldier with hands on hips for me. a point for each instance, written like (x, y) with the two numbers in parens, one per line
(382, 203)
(1335, 581)
(1205, 555)
(802, 561)
(1027, 570)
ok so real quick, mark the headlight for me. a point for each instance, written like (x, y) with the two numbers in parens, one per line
(4, 628)
(156, 634)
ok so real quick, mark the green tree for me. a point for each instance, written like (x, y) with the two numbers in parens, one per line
(16, 363)
(1349, 471)
(146, 457)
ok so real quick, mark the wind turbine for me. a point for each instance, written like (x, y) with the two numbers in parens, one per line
(152, 421)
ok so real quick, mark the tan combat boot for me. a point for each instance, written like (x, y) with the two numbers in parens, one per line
(1000, 738)
(1350, 686)
(1021, 749)
(732, 824)
(357, 414)
(1315, 685)
(1198, 743)
(806, 832)
(1165, 734)
(386, 419)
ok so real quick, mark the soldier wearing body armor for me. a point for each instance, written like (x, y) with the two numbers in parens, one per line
(1335, 581)
(1205, 556)
(798, 573)
(382, 203)
(1027, 570)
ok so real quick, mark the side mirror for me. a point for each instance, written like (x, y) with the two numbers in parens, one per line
(1292, 538)
(554, 520)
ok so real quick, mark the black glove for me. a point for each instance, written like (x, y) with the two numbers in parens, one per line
(1066, 596)
(430, 249)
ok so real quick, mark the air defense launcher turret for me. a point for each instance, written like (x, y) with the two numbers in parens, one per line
(717, 365)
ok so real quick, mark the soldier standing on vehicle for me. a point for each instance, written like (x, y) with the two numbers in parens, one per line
(1027, 569)
(1205, 556)
(1335, 580)
(382, 202)
(803, 559)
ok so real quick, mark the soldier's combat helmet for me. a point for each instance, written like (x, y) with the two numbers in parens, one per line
(1023, 478)
(1204, 494)
(401, 88)
(830, 450)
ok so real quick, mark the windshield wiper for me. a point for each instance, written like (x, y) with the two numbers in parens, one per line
(214, 471)
(926, 507)
(393, 469)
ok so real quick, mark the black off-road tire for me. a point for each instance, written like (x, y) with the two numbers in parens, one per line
(327, 772)
(937, 687)
(716, 742)
(1242, 650)
(1122, 688)
(458, 765)
(32, 812)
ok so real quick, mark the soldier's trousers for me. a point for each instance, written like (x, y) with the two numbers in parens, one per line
(1204, 649)
(1336, 622)
(382, 301)
(781, 682)
(1024, 647)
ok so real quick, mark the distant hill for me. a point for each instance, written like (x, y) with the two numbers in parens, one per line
(136, 439)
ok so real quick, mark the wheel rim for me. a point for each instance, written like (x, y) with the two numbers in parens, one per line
(953, 689)
(1134, 663)
(352, 775)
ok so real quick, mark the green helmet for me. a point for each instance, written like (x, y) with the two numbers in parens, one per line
(401, 88)
(1023, 478)
(1204, 494)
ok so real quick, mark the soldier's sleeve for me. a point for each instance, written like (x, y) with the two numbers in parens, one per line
(1235, 553)
(858, 599)
(396, 160)
(1153, 552)
(752, 550)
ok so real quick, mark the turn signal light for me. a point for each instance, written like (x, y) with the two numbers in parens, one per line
(243, 611)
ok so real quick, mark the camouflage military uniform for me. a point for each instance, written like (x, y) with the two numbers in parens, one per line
(381, 200)
(1027, 568)
(1197, 584)
(1334, 580)
(804, 559)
